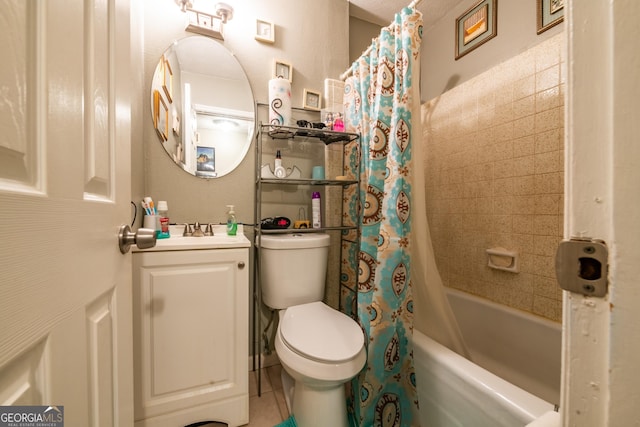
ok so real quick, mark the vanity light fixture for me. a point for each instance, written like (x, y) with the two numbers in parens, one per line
(205, 23)
(184, 4)
(225, 124)
(224, 12)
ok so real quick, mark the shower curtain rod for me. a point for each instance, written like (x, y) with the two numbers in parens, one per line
(347, 73)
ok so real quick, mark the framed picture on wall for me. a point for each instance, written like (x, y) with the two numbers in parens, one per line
(160, 116)
(476, 26)
(550, 13)
(206, 161)
(167, 79)
(311, 100)
(265, 31)
(282, 69)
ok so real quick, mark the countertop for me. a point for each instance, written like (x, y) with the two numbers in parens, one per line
(219, 240)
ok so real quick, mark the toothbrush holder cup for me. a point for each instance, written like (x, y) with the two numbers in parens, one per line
(317, 172)
(152, 222)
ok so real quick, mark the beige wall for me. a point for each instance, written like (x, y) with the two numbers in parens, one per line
(494, 169)
(302, 39)
(517, 32)
(360, 35)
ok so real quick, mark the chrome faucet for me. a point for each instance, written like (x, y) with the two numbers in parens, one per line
(197, 230)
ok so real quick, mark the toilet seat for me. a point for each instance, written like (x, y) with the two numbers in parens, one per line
(321, 333)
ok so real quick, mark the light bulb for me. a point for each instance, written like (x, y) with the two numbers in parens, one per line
(184, 5)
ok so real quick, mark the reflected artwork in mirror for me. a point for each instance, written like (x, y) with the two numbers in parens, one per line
(201, 102)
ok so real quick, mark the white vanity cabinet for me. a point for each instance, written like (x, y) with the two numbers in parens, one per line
(191, 325)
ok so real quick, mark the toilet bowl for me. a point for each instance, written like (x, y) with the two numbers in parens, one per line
(321, 349)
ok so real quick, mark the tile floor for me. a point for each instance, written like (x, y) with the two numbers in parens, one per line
(270, 408)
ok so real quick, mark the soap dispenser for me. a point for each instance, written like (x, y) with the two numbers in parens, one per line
(232, 223)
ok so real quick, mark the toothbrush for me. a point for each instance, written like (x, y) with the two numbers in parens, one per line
(146, 207)
(149, 202)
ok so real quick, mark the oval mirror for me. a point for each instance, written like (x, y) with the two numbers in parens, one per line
(202, 106)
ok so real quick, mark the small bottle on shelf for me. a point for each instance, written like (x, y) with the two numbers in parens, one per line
(316, 217)
(328, 121)
(338, 123)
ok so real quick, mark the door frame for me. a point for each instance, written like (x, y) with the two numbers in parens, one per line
(600, 335)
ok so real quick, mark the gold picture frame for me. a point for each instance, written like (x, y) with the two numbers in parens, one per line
(549, 14)
(476, 26)
(167, 79)
(311, 100)
(160, 116)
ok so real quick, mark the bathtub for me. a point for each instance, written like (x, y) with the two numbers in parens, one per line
(518, 382)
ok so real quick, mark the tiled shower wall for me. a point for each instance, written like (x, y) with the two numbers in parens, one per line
(494, 168)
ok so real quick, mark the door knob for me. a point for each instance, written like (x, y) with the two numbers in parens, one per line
(144, 238)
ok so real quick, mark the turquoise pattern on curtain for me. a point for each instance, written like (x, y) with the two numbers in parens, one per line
(378, 105)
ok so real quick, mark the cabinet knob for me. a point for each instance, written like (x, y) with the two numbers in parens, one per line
(241, 265)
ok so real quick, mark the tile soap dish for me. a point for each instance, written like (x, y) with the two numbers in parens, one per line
(502, 259)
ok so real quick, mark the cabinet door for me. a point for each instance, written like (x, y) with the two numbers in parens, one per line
(191, 336)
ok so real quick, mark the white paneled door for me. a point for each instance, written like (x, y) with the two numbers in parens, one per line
(65, 288)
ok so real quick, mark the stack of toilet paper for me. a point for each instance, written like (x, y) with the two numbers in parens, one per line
(279, 102)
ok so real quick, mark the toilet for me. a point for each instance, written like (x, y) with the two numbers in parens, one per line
(319, 347)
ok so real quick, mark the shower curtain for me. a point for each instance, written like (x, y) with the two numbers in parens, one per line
(379, 104)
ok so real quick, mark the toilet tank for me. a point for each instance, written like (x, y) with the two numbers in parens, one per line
(293, 268)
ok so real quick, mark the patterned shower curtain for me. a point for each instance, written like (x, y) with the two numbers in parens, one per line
(378, 105)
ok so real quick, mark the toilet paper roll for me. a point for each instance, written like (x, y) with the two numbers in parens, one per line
(279, 102)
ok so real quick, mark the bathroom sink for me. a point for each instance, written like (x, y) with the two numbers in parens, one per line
(219, 240)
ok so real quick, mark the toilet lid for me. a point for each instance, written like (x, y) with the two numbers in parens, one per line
(320, 332)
